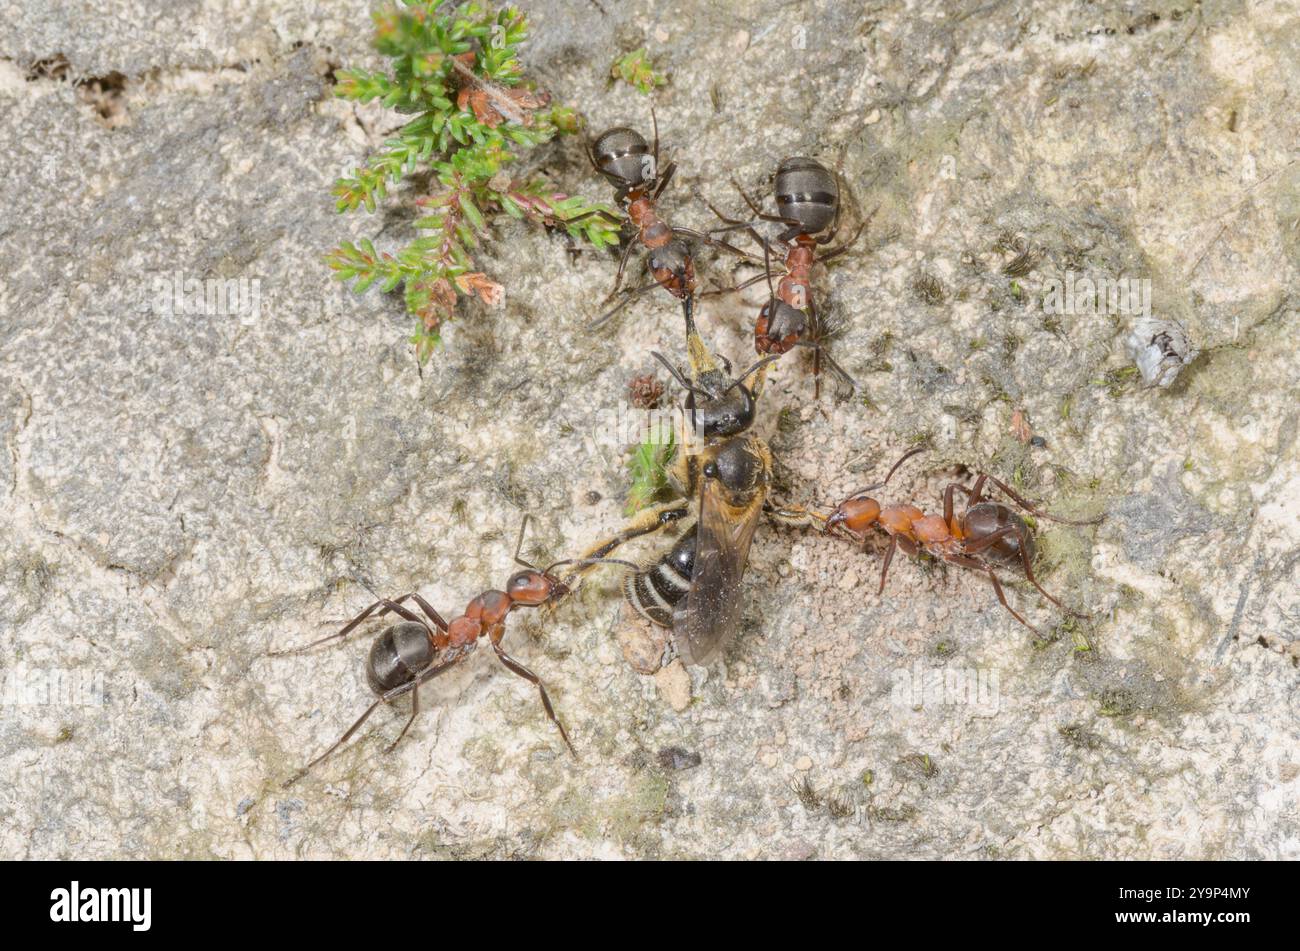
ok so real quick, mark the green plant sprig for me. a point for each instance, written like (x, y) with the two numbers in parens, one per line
(636, 69)
(648, 467)
(458, 72)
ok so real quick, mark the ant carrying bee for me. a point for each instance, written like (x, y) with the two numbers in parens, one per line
(721, 473)
(808, 203)
(416, 649)
(986, 534)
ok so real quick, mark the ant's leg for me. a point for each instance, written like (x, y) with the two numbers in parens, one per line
(997, 587)
(747, 282)
(1029, 506)
(415, 711)
(394, 605)
(519, 542)
(429, 611)
(654, 124)
(517, 668)
(843, 248)
(889, 556)
(703, 238)
(341, 740)
(822, 355)
(663, 182)
(1019, 534)
(731, 224)
(758, 211)
(979, 565)
(991, 539)
(948, 491)
(594, 213)
(425, 675)
(840, 372)
(622, 266)
(628, 297)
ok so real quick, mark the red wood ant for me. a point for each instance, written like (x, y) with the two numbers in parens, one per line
(985, 534)
(416, 649)
(628, 162)
(808, 202)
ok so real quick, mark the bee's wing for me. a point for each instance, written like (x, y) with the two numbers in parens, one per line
(708, 616)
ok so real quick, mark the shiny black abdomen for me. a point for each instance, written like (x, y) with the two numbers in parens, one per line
(397, 655)
(807, 192)
(982, 520)
(621, 156)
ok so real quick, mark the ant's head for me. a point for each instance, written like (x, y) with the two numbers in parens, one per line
(726, 408)
(623, 156)
(718, 404)
(807, 192)
(782, 322)
(856, 514)
(533, 587)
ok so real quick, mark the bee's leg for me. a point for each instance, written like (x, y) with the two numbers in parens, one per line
(794, 516)
(646, 522)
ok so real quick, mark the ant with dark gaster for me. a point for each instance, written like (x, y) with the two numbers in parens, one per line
(985, 534)
(418, 648)
(631, 165)
(808, 204)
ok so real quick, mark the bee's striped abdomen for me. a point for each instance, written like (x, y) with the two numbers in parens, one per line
(656, 590)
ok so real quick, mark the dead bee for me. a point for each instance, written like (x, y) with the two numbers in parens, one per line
(721, 473)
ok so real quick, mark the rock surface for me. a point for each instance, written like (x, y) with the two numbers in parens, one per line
(182, 492)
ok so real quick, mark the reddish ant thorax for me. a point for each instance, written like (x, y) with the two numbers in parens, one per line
(931, 530)
(463, 631)
(490, 608)
(898, 519)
